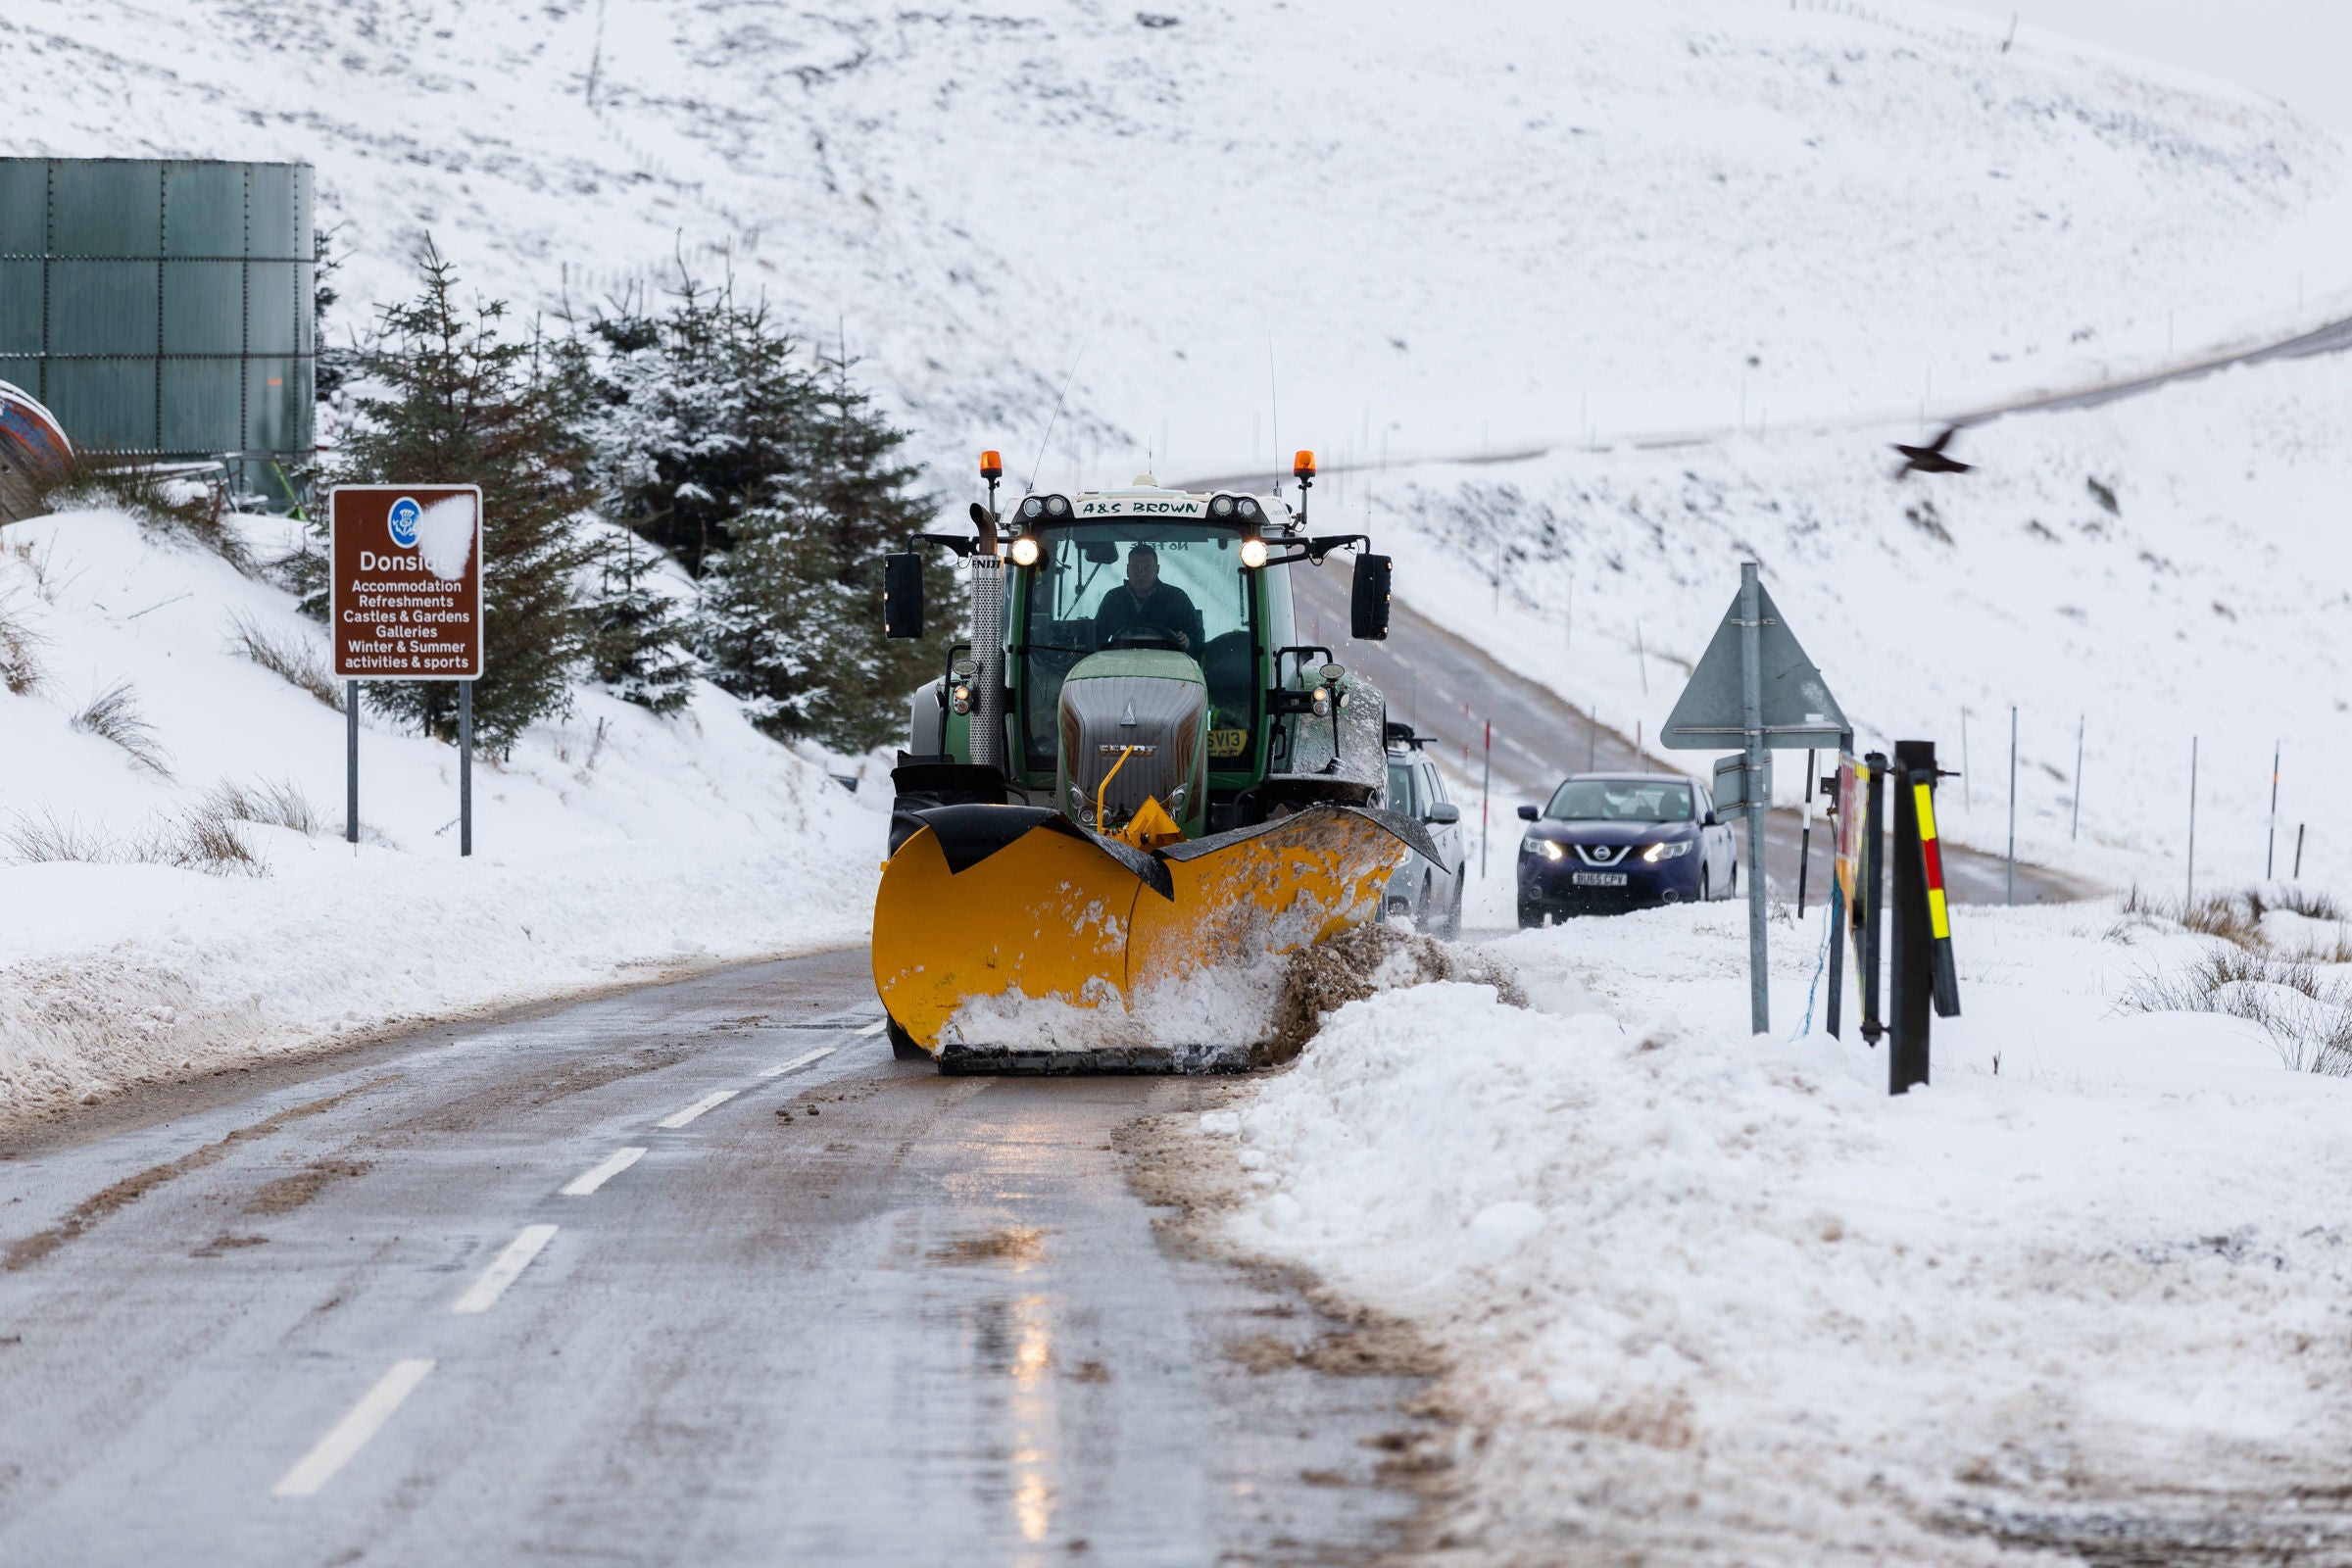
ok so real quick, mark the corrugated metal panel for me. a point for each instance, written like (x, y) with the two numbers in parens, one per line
(161, 306)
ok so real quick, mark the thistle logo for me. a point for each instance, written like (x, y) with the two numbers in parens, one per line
(402, 522)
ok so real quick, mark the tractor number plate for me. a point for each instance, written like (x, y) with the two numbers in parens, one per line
(1599, 879)
(1228, 742)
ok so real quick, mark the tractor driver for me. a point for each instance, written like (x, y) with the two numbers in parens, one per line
(1144, 601)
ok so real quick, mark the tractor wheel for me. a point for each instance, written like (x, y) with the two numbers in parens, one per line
(903, 1045)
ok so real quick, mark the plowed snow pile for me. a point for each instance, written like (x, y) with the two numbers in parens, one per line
(176, 893)
(1714, 1299)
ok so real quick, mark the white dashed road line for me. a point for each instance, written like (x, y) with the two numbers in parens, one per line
(873, 1029)
(781, 1069)
(710, 1102)
(503, 1270)
(351, 1434)
(583, 1185)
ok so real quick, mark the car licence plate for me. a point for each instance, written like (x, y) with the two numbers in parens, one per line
(1599, 879)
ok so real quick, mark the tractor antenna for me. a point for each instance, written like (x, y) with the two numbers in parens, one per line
(1274, 401)
(1031, 485)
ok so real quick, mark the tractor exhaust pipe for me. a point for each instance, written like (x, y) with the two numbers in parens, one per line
(988, 651)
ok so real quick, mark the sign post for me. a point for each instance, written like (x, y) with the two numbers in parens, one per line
(1755, 688)
(404, 603)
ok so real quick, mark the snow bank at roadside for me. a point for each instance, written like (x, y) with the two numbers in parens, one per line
(1719, 1299)
(610, 845)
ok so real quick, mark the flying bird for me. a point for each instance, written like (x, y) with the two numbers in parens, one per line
(1930, 459)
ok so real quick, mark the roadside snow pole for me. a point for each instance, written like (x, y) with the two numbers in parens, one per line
(1754, 685)
(2269, 855)
(2192, 825)
(2011, 896)
(1486, 792)
(1921, 972)
(2076, 831)
(2298, 852)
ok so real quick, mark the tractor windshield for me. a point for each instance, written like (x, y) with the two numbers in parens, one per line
(1141, 583)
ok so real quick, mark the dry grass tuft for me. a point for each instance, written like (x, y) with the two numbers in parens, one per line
(204, 840)
(175, 507)
(114, 715)
(2309, 1019)
(289, 655)
(266, 803)
(21, 669)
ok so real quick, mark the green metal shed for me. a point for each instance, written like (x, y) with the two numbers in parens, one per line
(162, 307)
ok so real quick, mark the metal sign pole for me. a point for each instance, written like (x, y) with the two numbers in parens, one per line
(1874, 899)
(1911, 974)
(351, 761)
(1751, 723)
(1838, 910)
(465, 767)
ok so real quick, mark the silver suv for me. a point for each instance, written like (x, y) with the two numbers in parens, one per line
(1431, 893)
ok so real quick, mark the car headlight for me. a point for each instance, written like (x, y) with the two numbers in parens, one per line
(1666, 851)
(1543, 846)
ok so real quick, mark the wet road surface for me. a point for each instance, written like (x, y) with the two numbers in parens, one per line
(1429, 674)
(693, 1275)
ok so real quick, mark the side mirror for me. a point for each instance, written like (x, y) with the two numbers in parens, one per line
(1708, 820)
(902, 596)
(1528, 813)
(1444, 814)
(1368, 602)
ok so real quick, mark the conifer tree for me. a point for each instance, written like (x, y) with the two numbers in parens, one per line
(770, 476)
(450, 399)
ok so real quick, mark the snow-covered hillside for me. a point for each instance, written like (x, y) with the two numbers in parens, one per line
(1448, 228)
(175, 892)
(2153, 571)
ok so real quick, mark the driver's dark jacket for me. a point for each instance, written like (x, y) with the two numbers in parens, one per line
(1167, 607)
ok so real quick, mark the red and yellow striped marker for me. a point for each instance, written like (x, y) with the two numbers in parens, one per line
(1939, 919)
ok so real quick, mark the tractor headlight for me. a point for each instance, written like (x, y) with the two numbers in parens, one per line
(1034, 507)
(1025, 551)
(1247, 507)
(1666, 851)
(1056, 506)
(1222, 506)
(1254, 552)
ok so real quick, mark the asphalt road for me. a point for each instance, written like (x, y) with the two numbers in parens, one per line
(845, 1311)
(1451, 690)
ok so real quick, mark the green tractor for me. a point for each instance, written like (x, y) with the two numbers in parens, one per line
(1134, 773)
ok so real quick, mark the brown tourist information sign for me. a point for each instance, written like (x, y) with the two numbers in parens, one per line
(406, 595)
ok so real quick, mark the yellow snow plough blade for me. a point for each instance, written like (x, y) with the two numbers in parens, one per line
(1016, 902)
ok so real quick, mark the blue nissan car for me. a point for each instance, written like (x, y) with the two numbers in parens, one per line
(1611, 842)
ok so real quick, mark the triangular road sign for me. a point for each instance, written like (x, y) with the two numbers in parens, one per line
(1799, 710)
